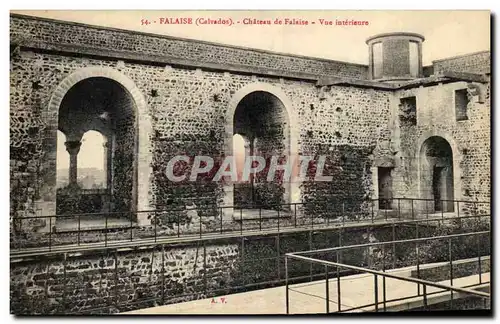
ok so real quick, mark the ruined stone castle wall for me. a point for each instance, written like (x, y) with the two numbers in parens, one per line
(187, 109)
(472, 63)
(469, 140)
(39, 31)
(139, 279)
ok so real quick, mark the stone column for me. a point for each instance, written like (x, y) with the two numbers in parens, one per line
(73, 147)
(107, 163)
(249, 152)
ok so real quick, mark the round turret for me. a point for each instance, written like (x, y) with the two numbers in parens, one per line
(395, 56)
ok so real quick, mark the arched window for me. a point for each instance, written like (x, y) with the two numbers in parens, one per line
(92, 161)
(62, 161)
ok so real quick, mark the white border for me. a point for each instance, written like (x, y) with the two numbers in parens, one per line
(198, 4)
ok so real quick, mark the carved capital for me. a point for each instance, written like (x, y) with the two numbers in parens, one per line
(73, 147)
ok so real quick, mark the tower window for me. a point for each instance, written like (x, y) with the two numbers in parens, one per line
(377, 60)
(461, 102)
(414, 58)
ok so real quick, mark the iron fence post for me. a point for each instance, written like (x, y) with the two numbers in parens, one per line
(458, 209)
(131, 230)
(383, 279)
(241, 221)
(328, 219)
(343, 213)
(451, 270)
(340, 244)
(278, 255)
(221, 219)
(106, 230)
(479, 259)
(260, 218)
(310, 263)
(418, 267)
(338, 286)
(200, 225)
(451, 261)
(442, 211)
(478, 218)
(78, 229)
(295, 213)
(375, 283)
(163, 274)
(178, 224)
(427, 209)
(287, 301)
(155, 217)
(312, 220)
(205, 285)
(393, 246)
(412, 211)
(327, 290)
(50, 233)
(64, 280)
(425, 296)
(45, 283)
(278, 220)
(372, 212)
(399, 208)
(116, 279)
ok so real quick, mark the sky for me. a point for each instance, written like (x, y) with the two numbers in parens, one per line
(447, 33)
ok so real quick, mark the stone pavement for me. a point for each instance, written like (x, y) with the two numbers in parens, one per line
(307, 298)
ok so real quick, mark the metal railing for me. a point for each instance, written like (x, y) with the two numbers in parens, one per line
(422, 285)
(110, 229)
(159, 291)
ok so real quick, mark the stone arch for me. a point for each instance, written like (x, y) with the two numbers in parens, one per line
(294, 190)
(456, 156)
(143, 148)
(264, 87)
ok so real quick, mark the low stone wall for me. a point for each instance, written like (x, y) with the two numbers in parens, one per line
(113, 282)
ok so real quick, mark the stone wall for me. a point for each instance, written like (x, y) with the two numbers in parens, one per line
(187, 110)
(469, 140)
(472, 63)
(32, 30)
(103, 281)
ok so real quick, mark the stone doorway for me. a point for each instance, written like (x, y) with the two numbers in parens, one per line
(385, 187)
(436, 182)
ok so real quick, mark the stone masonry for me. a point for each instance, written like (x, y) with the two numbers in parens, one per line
(186, 97)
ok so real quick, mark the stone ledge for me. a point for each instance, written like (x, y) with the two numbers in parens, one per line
(71, 225)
